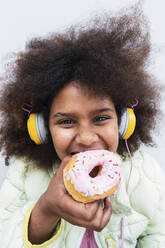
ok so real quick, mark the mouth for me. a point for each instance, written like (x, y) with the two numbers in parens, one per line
(75, 152)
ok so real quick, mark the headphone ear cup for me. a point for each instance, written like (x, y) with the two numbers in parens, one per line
(36, 128)
(127, 123)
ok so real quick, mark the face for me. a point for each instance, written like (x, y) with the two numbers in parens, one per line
(80, 122)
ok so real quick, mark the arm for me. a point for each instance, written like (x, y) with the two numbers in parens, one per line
(56, 204)
(39, 222)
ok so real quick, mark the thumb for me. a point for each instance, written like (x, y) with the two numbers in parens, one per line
(65, 161)
(59, 172)
(57, 180)
(70, 161)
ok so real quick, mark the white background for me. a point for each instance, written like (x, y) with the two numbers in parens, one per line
(21, 20)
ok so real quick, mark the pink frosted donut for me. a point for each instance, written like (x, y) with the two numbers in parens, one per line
(92, 175)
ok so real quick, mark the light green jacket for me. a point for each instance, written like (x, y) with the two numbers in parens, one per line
(143, 208)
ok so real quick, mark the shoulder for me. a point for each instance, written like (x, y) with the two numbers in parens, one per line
(147, 183)
(16, 173)
(148, 166)
(144, 169)
(22, 171)
(24, 180)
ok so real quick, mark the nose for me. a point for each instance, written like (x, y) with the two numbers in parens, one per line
(86, 136)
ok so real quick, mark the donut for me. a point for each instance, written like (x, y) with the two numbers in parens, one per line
(92, 175)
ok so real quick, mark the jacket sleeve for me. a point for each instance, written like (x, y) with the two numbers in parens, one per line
(154, 235)
(15, 210)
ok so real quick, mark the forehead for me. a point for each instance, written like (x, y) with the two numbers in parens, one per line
(74, 96)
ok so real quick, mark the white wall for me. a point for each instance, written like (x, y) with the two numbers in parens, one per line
(21, 20)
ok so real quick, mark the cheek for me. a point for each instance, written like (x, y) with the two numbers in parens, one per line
(111, 136)
(116, 142)
(61, 141)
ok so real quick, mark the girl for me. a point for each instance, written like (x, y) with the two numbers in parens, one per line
(76, 85)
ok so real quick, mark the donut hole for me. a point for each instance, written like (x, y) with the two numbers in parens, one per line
(95, 171)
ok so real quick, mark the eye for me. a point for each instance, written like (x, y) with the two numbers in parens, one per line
(66, 122)
(101, 118)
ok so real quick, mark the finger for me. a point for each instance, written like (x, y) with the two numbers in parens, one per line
(93, 221)
(59, 173)
(102, 216)
(64, 162)
(107, 212)
(80, 210)
(76, 217)
(80, 221)
(96, 223)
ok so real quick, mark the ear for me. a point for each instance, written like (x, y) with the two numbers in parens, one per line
(127, 123)
(36, 128)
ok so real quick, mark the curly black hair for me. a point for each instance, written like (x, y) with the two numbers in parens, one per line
(109, 57)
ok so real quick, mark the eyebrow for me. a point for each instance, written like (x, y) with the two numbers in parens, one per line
(60, 114)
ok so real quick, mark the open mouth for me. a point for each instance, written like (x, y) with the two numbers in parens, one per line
(73, 153)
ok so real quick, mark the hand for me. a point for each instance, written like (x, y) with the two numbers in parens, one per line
(59, 204)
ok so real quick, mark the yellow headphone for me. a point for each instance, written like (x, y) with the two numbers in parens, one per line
(38, 131)
(36, 128)
(127, 123)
